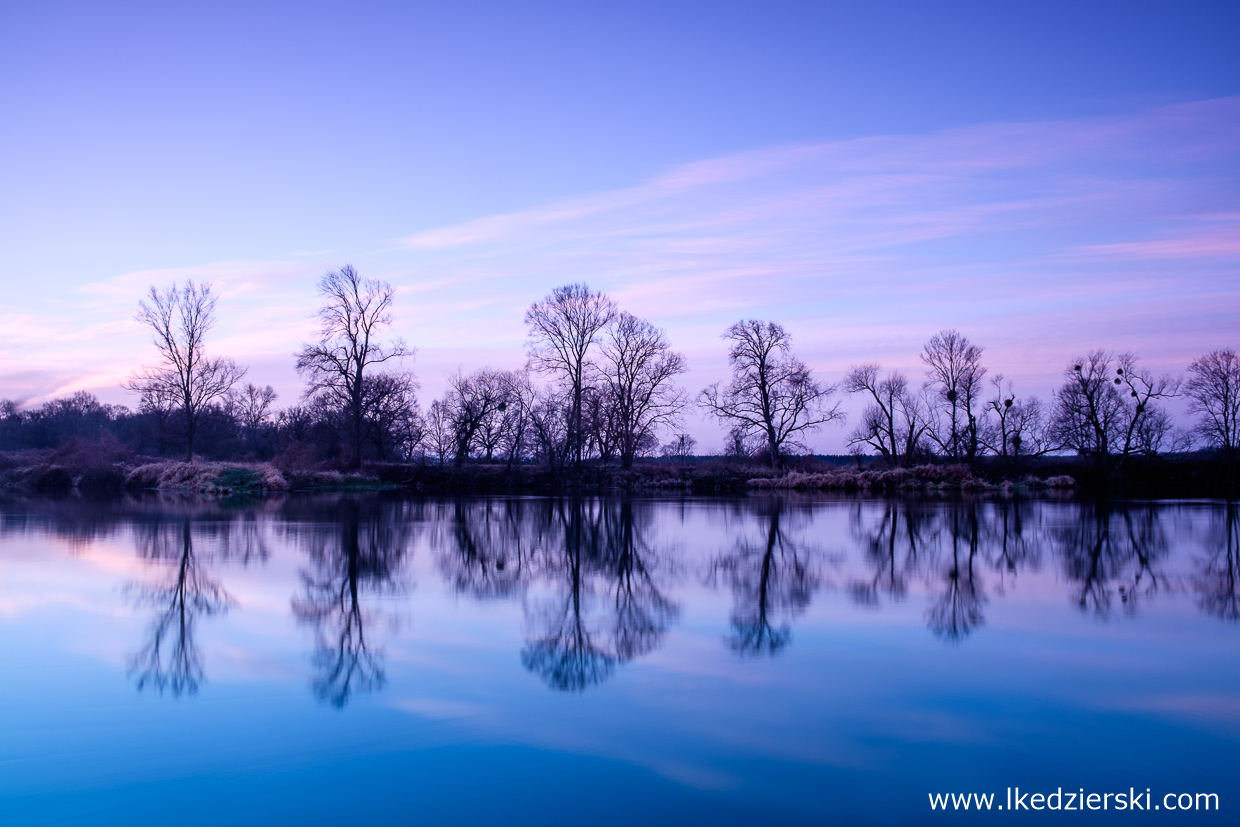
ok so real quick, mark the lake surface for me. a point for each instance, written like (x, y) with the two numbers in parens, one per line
(382, 659)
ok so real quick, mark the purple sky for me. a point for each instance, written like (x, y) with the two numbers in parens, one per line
(865, 181)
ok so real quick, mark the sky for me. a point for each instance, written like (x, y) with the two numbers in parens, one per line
(1048, 178)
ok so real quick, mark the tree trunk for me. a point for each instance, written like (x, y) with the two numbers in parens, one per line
(191, 425)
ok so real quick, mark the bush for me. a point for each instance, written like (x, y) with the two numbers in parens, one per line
(51, 479)
(298, 456)
(106, 479)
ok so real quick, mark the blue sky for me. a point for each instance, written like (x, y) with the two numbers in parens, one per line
(1047, 177)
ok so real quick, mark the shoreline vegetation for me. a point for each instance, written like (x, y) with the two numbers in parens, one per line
(107, 469)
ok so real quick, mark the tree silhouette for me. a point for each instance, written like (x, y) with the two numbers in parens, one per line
(773, 395)
(608, 607)
(1213, 389)
(1217, 580)
(954, 371)
(1112, 552)
(187, 380)
(171, 660)
(1106, 404)
(364, 556)
(772, 582)
(894, 421)
(958, 610)
(563, 329)
(337, 367)
(638, 368)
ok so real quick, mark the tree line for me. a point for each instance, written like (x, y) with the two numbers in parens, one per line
(602, 385)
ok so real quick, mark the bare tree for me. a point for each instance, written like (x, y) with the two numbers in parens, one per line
(515, 426)
(1145, 417)
(1213, 389)
(1088, 406)
(562, 329)
(1104, 403)
(187, 379)
(393, 423)
(477, 404)
(638, 369)
(251, 407)
(681, 447)
(894, 422)
(772, 393)
(354, 312)
(549, 418)
(738, 444)
(1014, 427)
(600, 422)
(440, 437)
(954, 372)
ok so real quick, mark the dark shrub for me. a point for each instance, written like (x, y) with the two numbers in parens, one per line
(298, 456)
(105, 479)
(52, 479)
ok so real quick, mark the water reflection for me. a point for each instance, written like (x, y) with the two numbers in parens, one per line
(1109, 552)
(891, 548)
(363, 556)
(948, 636)
(567, 643)
(1218, 571)
(957, 610)
(772, 581)
(592, 582)
(606, 605)
(171, 659)
(600, 581)
(489, 547)
(947, 548)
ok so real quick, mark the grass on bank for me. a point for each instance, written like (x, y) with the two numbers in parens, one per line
(106, 467)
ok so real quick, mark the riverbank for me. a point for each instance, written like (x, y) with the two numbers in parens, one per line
(89, 468)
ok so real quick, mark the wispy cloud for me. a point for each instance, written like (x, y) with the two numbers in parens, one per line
(89, 339)
(1002, 229)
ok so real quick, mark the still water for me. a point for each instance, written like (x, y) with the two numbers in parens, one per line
(392, 660)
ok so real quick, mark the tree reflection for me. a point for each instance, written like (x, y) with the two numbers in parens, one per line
(1218, 573)
(488, 547)
(567, 648)
(1015, 544)
(893, 550)
(171, 660)
(951, 546)
(642, 612)
(362, 556)
(958, 609)
(772, 581)
(1110, 552)
(607, 604)
(242, 539)
(591, 582)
